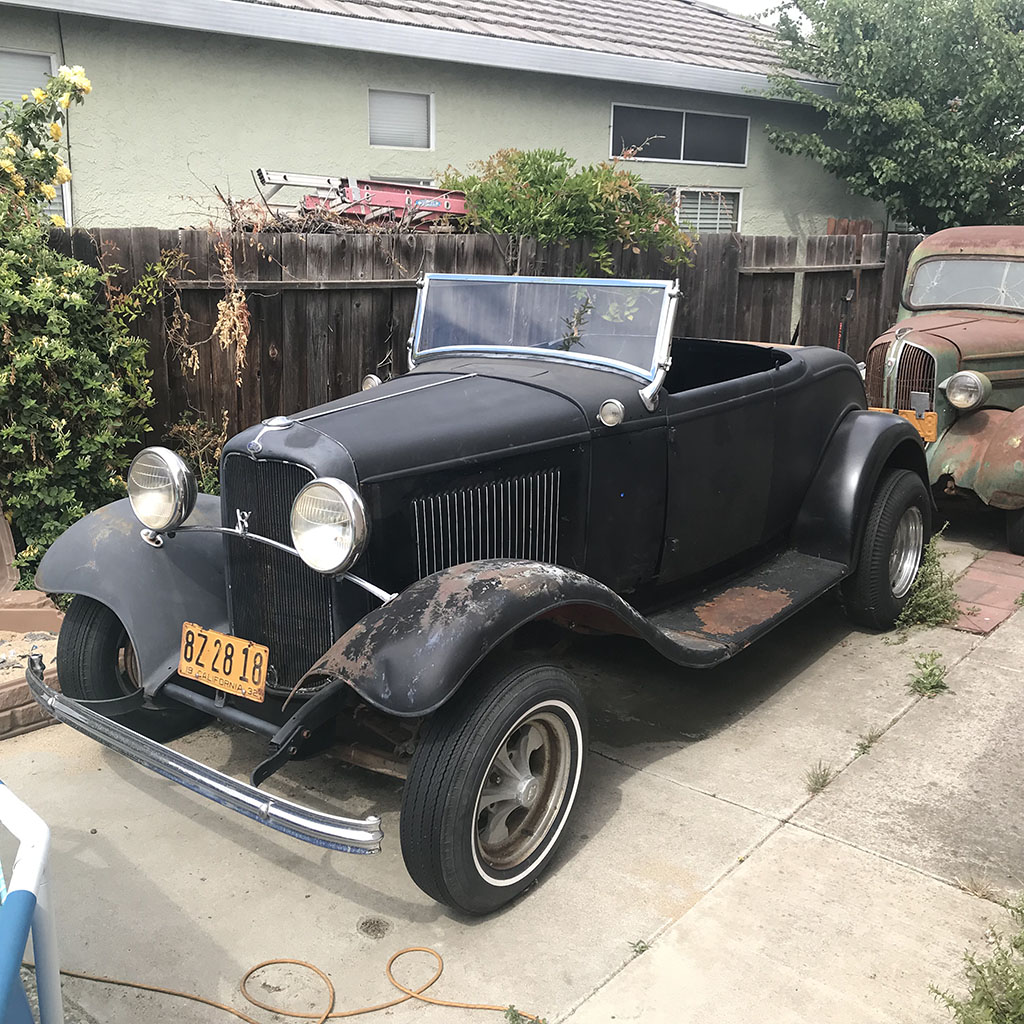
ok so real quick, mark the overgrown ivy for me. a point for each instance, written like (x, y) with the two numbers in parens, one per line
(74, 387)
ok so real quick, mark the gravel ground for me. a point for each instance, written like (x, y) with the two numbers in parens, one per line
(16, 647)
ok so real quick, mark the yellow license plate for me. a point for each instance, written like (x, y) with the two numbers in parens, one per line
(927, 426)
(223, 661)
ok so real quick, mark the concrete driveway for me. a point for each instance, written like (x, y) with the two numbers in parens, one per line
(697, 835)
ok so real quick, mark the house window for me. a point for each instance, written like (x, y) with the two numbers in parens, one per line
(401, 120)
(20, 73)
(704, 210)
(681, 136)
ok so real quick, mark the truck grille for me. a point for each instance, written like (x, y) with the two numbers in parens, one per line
(515, 518)
(916, 372)
(275, 598)
(874, 376)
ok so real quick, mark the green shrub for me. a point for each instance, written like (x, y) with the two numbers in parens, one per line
(73, 381)
(932, 600)
(541, 194)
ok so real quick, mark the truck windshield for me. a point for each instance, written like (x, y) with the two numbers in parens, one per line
(995, 284)
(617, 323)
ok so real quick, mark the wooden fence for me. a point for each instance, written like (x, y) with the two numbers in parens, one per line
(327, 309)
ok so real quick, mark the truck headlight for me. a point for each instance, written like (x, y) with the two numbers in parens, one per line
(161, 488)
(967, 389)
(328, 525)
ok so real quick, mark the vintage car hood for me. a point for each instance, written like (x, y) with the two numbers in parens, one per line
(425, 420)
(974, 334)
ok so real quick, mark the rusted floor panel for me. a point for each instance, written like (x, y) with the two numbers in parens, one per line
(735, 614)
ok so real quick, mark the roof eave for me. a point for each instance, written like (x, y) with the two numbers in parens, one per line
(260, 21)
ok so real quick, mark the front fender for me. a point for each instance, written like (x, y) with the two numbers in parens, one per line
(152, 590)
(410, 655)
(832, 518)
(983, 452)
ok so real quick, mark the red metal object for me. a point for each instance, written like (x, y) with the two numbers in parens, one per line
(369, 200)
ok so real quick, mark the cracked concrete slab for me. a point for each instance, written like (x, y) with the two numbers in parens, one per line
(941, 790)
(807, 930)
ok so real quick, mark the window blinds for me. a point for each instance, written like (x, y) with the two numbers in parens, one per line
(399, 119)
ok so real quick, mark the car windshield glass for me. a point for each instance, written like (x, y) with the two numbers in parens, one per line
(998, 284)
(615, 323)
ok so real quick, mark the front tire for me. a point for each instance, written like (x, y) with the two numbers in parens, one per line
(96, 661)
(898, 527)
(492, 785)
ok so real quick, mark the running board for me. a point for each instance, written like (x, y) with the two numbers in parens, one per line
(720, 621)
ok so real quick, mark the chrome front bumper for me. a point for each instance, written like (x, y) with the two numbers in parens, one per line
(349, 835)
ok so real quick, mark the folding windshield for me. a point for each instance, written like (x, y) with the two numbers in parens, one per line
(986, 283)
(621, 324)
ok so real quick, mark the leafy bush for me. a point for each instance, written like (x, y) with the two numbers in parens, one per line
(73, 381)
(539, 193)
(932, 600)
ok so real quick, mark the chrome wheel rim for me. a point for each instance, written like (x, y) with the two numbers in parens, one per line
(907, 547)
(523, 790)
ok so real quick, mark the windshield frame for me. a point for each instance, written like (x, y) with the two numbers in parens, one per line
(973, 257)
(662, 341)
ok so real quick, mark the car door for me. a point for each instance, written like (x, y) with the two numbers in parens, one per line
(720, 455)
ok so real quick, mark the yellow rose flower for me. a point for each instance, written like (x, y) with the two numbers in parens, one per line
(55, 132)
(58, 221)
(7, 165)
(38, 95)
(7, 151)
(24, 95)
(62, 175)
(37, 154)
(48, 190)
(65, 100)
(19, 181)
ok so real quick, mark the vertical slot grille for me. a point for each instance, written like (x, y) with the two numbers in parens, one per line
(276, 599)
(514, 518)
(874, 376)
(916, 372)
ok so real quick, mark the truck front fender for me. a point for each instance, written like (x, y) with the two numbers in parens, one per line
(984, 452)
(833, 515)
(151, 590)
(410, 655)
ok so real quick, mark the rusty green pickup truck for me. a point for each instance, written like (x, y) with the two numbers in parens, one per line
(953, 364)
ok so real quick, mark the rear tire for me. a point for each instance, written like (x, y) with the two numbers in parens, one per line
(1015, 530)
(898, 527)
(492, 784)
(96, 661)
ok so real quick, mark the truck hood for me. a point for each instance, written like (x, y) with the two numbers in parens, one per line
(973, 334)
(425, 420)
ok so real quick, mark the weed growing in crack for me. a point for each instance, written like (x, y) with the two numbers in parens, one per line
(818, 776)
(929, 679)
(932, 600)
(869, 739)
(995, 983)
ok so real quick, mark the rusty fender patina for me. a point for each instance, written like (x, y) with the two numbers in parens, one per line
(410, 655)
(984, 452)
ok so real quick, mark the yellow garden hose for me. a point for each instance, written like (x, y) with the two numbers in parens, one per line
(328, 1013)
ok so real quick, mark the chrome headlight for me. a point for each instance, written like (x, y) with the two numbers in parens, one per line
(328, 525)
(967, 389)
(161, 488)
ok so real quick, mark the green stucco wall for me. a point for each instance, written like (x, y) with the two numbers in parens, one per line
(174, 113)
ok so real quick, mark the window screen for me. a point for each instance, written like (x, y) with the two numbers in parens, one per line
(708, 211)
(711, 139)
(399, 119)
(20, 73)
(658, 132)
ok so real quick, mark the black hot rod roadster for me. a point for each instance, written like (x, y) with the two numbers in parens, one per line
(387, 571)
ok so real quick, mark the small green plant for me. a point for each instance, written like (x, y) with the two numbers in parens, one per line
(818, 776)
(639, 946)
(932, 600)
(1019, 602)
(868, 739)
(929, 677)
(514, 1016)
(995, 983)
